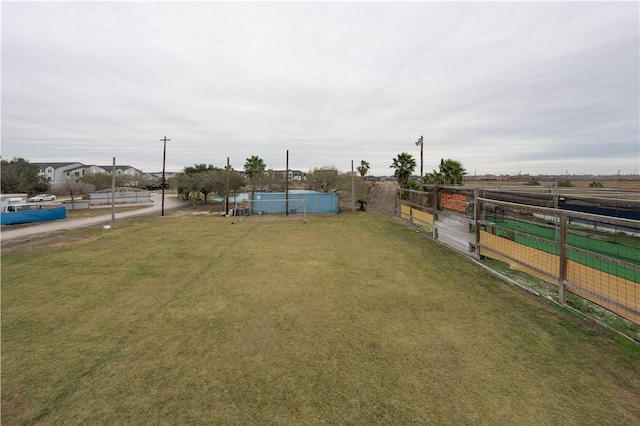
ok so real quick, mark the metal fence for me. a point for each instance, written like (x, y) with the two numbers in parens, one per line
(120, 197)
(594, 256)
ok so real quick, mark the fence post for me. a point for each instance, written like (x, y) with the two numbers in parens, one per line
(562, 278)
(410, 195)
(476, 218)
(395, 205)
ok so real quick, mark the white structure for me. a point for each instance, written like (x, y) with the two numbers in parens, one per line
(120, 170)
(60, 172)
(158, 175)
(12, 199)
(297, 175)
(293, 174)
(57, 173)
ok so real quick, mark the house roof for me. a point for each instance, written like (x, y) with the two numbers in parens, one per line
(290, 170)
(109, 167)
(57, 165)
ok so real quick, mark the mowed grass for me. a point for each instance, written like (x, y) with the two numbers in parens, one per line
(350, 319)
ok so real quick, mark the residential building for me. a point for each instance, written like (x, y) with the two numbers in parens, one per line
(60, 172)
(297, 175)
(120, 170)
(293, 174)
(57, 173)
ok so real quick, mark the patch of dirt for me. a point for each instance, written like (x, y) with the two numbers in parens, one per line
(187, 208)
(382, 199)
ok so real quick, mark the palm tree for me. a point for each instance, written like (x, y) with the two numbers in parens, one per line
(451, 173)
(434, 178)
(254, 168)
(363, 168)
(404, 164)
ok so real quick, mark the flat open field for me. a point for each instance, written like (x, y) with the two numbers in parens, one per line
(627, 183)
(350, 319)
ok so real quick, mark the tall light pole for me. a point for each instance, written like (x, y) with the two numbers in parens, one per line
(164, 159)
(420, 143)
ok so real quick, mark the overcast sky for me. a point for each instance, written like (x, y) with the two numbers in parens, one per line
(502, 87)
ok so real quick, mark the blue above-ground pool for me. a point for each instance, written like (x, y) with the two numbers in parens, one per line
(42, 215)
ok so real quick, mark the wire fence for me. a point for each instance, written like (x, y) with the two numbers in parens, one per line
(584, 246)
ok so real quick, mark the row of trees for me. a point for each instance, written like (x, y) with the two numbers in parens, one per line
(203, 179)
(323, 179)
(200, 180)
(261, 179)
(450, 172)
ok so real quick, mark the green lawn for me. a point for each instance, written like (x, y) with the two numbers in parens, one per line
(350, 319)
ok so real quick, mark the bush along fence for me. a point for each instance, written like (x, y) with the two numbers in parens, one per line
(594, 256)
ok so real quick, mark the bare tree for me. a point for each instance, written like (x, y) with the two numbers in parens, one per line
(361, 189)
(75, 188)
(102, 181)
(325, 179)
(272, 181)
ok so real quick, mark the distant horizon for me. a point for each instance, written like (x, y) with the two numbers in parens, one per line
(370, 173)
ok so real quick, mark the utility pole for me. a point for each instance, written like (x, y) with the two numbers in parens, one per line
(353, 190)
(420, 143)
(226, 193)
(113, 194)
(164, 159)
(286, 187)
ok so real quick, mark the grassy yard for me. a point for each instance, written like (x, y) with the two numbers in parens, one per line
(351, 319)
(100, 211)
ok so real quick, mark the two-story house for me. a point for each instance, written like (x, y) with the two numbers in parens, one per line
(60, 172)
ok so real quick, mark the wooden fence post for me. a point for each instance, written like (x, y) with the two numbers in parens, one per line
(562, 278)
(476, 218)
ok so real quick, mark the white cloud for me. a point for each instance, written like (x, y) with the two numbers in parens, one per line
(502, 87)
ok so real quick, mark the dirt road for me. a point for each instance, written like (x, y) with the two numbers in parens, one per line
(382, 199)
